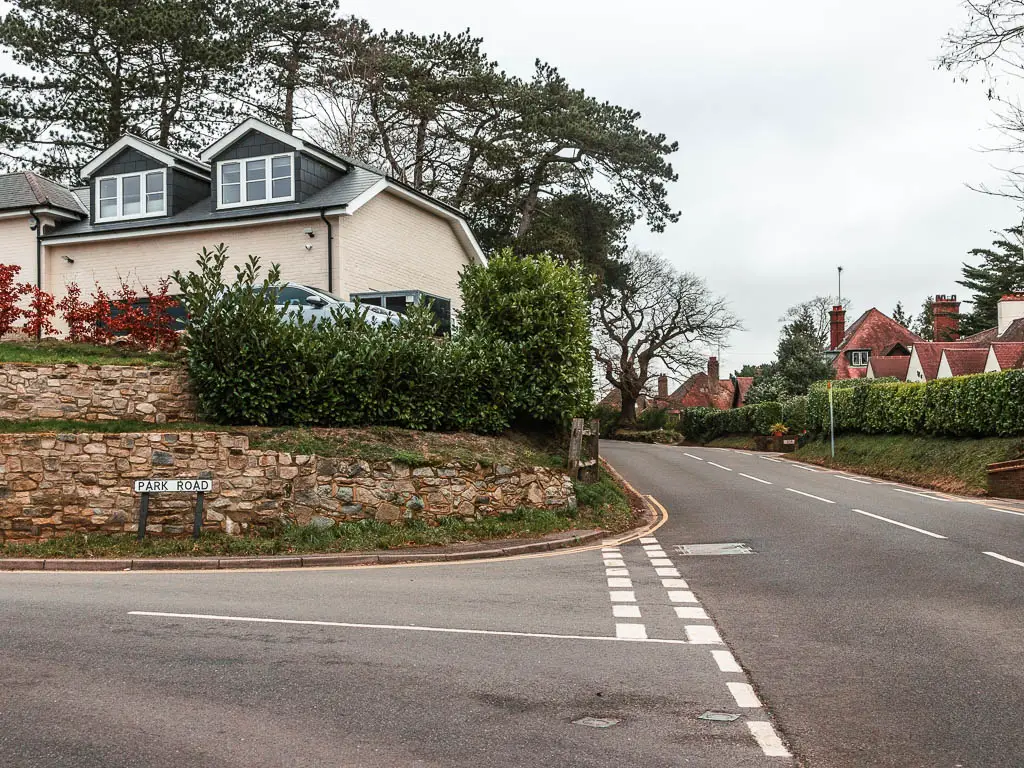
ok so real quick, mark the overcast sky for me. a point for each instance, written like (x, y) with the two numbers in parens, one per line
(812, 133)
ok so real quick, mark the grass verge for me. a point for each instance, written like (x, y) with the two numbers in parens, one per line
(601, 505)
(48, 352)
(953, 466)
(742, 442)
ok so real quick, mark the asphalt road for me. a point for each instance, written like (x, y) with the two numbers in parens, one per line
(873, 643)
(452, 665)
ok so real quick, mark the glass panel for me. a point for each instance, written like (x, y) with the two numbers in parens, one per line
(282, 187)
(255, 190)
(281, 166)
(155, 182)
(108, 209)
(108, 188)
(231, 193)
(291, 294)
(255, 170)
(155, 203)
(131, 195)
(230, 173)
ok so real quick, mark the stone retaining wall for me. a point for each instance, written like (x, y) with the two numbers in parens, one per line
(52, 484)
(95, 393)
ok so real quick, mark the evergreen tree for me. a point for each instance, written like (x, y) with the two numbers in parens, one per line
(900, 315)
(924, 325)
(1001, 272)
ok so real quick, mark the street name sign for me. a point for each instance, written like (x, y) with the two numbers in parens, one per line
(175, 485)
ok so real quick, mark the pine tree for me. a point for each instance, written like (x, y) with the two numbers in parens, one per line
(1001, 272)
(900, 315)
(924, 324)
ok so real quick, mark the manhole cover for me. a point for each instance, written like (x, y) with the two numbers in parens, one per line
(735, 548)
(596, 722)
(718, 717)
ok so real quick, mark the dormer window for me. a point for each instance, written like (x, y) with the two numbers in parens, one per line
(859, 358)
(255, 180)
(131, 195)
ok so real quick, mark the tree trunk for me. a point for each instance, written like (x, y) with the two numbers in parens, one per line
(628, 409)
(421, 152)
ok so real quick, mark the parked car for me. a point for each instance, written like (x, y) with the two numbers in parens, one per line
(316, 304)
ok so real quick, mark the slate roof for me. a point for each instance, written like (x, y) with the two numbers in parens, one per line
(965, 361)
(336, 195)
(1015, 332)
(696, 392)
(884, 367)
(875, 332)
(26, 190)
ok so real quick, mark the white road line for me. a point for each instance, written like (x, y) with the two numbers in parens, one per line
(400, 627)
(626, 611)
(806, 469)
(702, 634)
(648, 540)
(744, 453)
(766, 737)
(656, 554)
(669, 572)
(901, 525)
(1005, 559)
(769, 458)
(855, 479)
(698, 458)
(726, 661)
(623, 597)
(744, 695)
(661, 562)
(719, 466)
(674, 584)
(649, 547)
(682, 597)
(620, 563)
(691, 612)
(922, 495)
(631, 631)
(756, 479)
(1007, 511)
(616, 571)
(810, 496)
(619, 583)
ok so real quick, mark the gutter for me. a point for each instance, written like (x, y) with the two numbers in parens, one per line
(37, 227)
(330, 250)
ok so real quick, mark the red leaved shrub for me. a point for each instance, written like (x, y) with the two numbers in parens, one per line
(146, 324)
(10, 294)
(41, 309)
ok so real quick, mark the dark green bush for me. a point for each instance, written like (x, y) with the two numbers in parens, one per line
(653, 418)
(251, 366)
(539, 308)
(609, 416)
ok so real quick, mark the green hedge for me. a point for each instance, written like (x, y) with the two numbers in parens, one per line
(249, 365)
(705, 424)
(984, 405)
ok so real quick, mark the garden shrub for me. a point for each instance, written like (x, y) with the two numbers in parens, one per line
(652, 418)
(539, 307)
(609, 416)
(251, 365)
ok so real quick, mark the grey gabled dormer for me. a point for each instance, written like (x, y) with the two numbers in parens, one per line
(136, 179)
(256, 164)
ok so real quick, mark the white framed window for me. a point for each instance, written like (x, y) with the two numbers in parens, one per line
(859, 358)
(255, 180)
(131, 195)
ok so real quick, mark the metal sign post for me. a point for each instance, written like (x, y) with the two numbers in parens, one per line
(832, 421)
(198, 486)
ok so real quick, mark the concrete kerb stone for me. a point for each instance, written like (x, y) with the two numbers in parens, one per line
(499, 550)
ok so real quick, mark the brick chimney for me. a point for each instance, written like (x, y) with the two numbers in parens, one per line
(663, 386)
(945, 318)
(837, 323)
(713, 375)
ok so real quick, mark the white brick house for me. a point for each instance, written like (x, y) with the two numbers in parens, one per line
(330, 222)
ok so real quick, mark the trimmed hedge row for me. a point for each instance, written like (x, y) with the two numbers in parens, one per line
(983, 405)
(704, 424)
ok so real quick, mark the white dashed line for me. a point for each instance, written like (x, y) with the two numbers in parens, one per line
(623, 597)
(661, 562)
(901, 525)
(616, 571)
(672, 572)
(702, 634)
(726, 661)
(806, 469)
(626, 611)
(744, 453)
(691, 612)
(769, 458)
(649, 547)
(698, 458)
(855, 480)
(613, 550)
(682, 597)
(810, 496)
(1005, 559)
(766, 737)
(611, 563)
(719, 466)
(744, 695)
(922, 495)
(648, 540)
(756, 479)
(1007, 511)
(631, 631)
(674, 584)
(619, 583)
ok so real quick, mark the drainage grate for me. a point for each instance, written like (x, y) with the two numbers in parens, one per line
(714, 549)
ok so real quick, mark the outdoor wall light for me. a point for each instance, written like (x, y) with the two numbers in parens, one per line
(68, 259)
(309, 246)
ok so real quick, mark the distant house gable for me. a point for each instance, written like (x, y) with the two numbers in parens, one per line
(872, 335)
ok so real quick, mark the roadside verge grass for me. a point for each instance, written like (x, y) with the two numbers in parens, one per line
(49, 352)
(953, 466)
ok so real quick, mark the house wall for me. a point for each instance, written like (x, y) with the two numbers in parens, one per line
(391, 244)
(992, 362)
(944, 372)
(915, 372)
(311, 175)
(184, 190)
(18, 246)
(145, 260)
